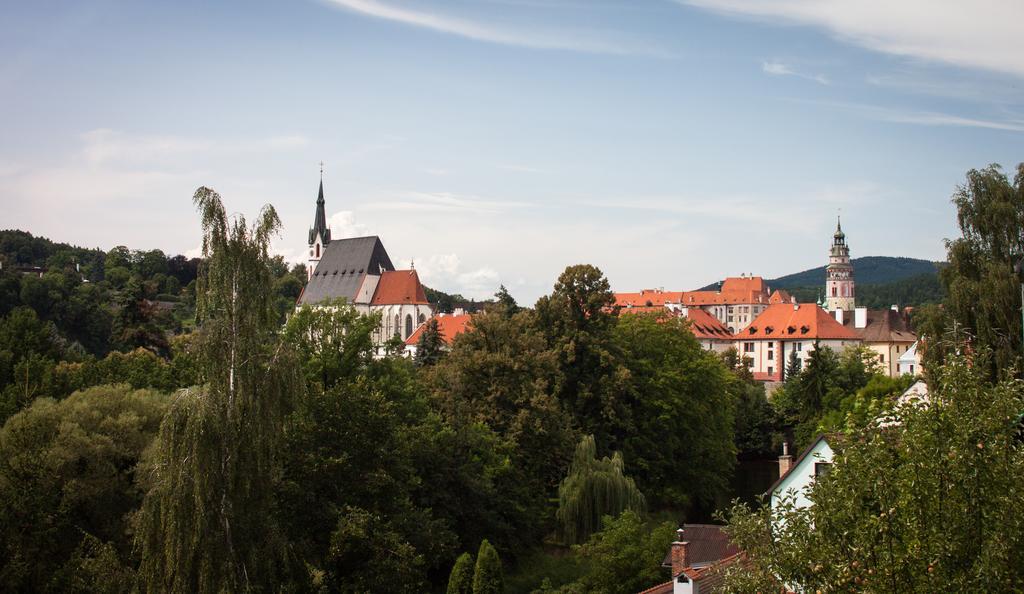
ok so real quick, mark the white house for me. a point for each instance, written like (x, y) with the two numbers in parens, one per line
(797, 477)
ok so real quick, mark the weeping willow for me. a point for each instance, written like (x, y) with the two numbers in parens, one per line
(594, 488)
(207, 522)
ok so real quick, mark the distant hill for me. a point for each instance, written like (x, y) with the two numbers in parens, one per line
(869, 270)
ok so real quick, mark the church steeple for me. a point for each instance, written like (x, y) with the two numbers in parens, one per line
(319, 228)
(319, 233)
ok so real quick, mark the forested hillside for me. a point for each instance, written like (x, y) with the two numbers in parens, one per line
(867, 270)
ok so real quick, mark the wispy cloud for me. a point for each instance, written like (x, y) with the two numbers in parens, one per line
(446, 202)
(103, 145)
(922, 118)
(574, 40)
(978, 34)
(780, 69)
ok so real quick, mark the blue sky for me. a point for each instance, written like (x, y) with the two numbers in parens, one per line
(671, 143)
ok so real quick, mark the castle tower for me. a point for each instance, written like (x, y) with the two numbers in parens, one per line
(319, 234)
(839, 292)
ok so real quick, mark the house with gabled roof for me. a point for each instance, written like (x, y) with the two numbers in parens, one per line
(448, 326)
(359, 272)
(785, 328)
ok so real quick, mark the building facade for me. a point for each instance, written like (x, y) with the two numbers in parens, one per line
(359, 272)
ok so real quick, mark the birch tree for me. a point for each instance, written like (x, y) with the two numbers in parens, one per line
(207, 522)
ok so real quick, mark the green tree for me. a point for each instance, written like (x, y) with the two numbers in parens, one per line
(488, 577)
(593, 489)
(207, 522)
(983, 293)
(624, 557)
(926, 502)
(578, 323)
(461, 579)
(505, 303)
(793, 366)
(67, 481)
(682, 399)
(430, 347)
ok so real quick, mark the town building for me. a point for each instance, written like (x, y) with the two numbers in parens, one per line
(448, 326)
(887, 332)
(359, 272)
(787, 328)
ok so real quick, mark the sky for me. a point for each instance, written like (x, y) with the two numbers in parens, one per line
(671, 143)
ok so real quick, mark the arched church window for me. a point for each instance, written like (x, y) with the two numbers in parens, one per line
(408, 325)
(422, 319)
(398, 324)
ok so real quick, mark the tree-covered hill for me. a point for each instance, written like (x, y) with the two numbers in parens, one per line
(869, 270)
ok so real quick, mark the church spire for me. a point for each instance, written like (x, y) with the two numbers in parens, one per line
(320, 228)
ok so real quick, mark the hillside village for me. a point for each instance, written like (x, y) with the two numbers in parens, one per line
(773, 333)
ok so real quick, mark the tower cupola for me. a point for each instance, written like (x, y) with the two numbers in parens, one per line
(839, 285)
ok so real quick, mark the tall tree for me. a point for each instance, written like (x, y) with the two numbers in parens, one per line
(207, 522)
(926, 502)
(461, 579)
(593, 489)
(488, 577)
(984, 294)
(430, 347)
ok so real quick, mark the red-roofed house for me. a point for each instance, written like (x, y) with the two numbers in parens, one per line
(449, 327)
(711, 333)
(785, 328)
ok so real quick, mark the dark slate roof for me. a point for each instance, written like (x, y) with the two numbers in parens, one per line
(342, 268)
(320, 220)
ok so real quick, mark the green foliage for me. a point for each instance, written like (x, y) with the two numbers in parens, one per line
(430, 347)
(870, 270)
(593, 489)
(488, 576)
(461, 579)
(207, 522)
(927, 504)
(984, 293)
(623, 558)
(67, 483)
(680, 445)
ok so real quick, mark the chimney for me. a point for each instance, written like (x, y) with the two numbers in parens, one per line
(796, 306)
(785, 460)
(840, 315)
(860, 317)
(680, 550)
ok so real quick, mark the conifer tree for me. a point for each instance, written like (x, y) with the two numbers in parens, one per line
(488, 577)
(461, 579)
(430, 347)
(594, 488)
(792, 366)
(207, 522)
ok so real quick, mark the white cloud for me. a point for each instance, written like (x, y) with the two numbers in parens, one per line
(923, 118)
(978, 34)
(446, 202)
(574, 40)
(780, 69)
(343, 224)
(103, 145)
(444, 272)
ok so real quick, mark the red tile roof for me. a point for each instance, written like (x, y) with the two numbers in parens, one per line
(398, 287)
(787, 321)
(647, 297)
(706, 326)
(448, 325)
(665, 588)
(780, 296)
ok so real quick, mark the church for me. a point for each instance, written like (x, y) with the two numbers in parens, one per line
(359, 271)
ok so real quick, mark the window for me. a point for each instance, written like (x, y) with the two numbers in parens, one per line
(771, 356)
(881, 358)
(748, 347)
(822, 468)
(408, 325)
(318, 250)
(833, 291)
(771, 370)
(422, 318)
(799, 346)
(398, 324)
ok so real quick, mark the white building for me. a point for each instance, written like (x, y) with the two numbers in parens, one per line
(359, 271)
